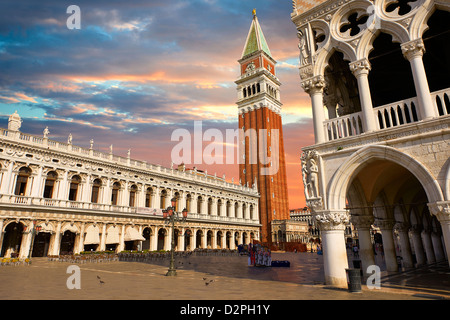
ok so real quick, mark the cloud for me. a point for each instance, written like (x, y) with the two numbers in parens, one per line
(138, 70)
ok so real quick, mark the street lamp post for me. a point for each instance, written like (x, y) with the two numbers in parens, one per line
(170, 216)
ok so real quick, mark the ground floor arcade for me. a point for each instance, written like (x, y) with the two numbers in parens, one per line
(42, 234)
(394, 202)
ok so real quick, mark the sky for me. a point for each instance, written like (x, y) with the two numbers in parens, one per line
(135, 71)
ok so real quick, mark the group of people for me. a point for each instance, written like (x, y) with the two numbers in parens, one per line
(259, 256)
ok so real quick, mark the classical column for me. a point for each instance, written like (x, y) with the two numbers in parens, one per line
(441, 210)
(103, 238)
(413, 52)
(62, 193)
(363, 223)
(214, 207)
(204, 239)
(36, 188)
(224, 241)
(428, 245)
(314, 87)
(193, 239)
(332, 226)
(57, 240)
(360, 70)
(402, 229)
(437, 246)
(168, 239)
(386, 227)
(7, 178)
(25, 245)
(1, 234)
(154, 239)
(121, 245)
(181, 239)
(418, 246)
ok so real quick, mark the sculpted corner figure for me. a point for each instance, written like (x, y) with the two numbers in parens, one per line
(312, 179)
(310, 175)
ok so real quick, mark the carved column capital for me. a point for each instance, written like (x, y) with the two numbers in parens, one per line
(441, 210)
(385, 224)
(401, 227)
(332, 220)
(412, 49)
(362, 222)
(314, 84)
(359, 67)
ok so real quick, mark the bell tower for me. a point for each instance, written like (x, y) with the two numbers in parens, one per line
(262, 155)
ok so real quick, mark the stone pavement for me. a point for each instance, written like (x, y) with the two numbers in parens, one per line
(207, 278)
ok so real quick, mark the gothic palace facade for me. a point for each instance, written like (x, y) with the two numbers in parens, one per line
(79, 199)
(377, 73)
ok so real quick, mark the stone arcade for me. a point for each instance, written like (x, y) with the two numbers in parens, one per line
(81, 199)
(377, 73)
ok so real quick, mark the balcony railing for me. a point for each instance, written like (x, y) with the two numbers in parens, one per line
(345, 126)
(57, 203)
(387, 116)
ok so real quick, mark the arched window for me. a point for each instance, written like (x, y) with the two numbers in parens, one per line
(162, 201)
(22, 181)
(188, 202)
(199, 204)
(244, 91)
(73, 189)
(133, 190)
(210, 204)
(219, 206)
(115, 193)
(50, 184)
(96, 190)
(148, 197)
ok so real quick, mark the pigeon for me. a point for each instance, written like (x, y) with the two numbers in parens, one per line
(102, 282)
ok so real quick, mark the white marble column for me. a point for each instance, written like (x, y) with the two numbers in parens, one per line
(413, 52)
(314, 87)
(362, 224)
(437, 246)
(7, 178)
(428, 245)
(402, 229)
(418, 246)
(57, 240)
(360, 70)
(154, 239)
(332, 227)
(103, 238)
(386, 227)
(181, 239)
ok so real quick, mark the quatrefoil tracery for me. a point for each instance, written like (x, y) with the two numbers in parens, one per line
(403, 6)
(355, 23)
